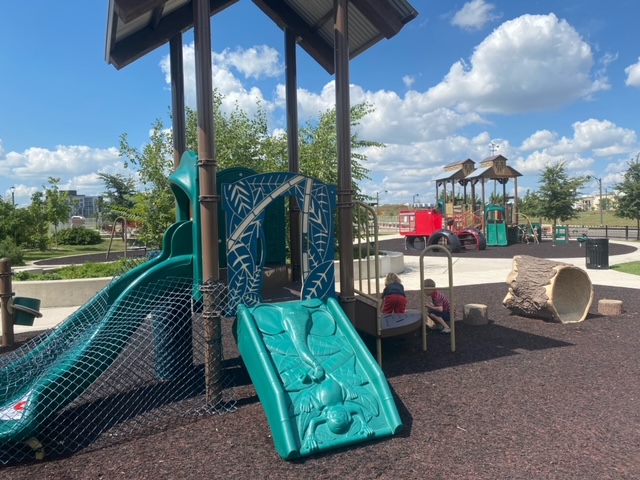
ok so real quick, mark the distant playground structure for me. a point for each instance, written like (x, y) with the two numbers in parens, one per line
(466, 221)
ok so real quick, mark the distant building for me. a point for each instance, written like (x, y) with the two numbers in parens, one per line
(86, 206)
(592, 202)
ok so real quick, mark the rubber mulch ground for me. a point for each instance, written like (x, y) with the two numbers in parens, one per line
(520, 398)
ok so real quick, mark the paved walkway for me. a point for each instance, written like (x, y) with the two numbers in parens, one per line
(467, 270)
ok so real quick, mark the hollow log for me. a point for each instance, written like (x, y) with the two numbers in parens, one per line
(549, 290)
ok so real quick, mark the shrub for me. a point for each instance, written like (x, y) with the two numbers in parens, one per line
(11, 251)
(79, 236)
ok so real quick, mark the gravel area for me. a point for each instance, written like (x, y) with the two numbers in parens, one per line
(520, 398)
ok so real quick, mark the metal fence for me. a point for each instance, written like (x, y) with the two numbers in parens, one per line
(389, 224)
(616, 233)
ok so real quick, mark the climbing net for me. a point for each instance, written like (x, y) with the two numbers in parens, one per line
(115, 369)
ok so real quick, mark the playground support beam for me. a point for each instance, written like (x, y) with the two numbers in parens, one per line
(208, 200)
(291, 87)
(6, 292)
(178, 109)
(343, 133)
(177, 99)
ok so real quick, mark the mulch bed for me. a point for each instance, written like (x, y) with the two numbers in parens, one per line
(545, 249)
(520, 398)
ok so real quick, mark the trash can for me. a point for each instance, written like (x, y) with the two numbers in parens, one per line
(512, 235)
(597, 252)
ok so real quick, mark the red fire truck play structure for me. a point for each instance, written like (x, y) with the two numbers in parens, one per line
(428, 227)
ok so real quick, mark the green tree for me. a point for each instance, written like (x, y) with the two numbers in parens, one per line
(529, 204)
(154, 207)
(558, 194)
(318, 147)
(497, 198)
(58, 205)
(7, 219)
(118, 194)
(627, 204)
(36, 222)
(240, 141)
(318, 153)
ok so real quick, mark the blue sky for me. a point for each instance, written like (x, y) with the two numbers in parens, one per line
(544, 81)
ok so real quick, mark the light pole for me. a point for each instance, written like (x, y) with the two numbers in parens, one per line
(599, 180)
(413, 202)
(13, 196)
(378, 202)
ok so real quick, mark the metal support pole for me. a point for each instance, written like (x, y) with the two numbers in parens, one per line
(600, 185)
(343, 132)
(6, 292)
(295, 235)
(209, 200)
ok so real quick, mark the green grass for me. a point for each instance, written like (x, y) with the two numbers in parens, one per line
(632, 267)
(87, 270)
(592, 218)
(67, 250)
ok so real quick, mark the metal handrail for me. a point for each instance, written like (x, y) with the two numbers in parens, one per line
(375, 296)
(124, 235)
(451, 298)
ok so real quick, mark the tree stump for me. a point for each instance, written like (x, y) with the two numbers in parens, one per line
(475, 314)
(610, 307)
(547, 289)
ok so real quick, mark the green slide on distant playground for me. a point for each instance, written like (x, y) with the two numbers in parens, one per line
(497, 235)
(319, 385)
(72, 356)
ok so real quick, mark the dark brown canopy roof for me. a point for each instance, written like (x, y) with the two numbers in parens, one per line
(136, 27)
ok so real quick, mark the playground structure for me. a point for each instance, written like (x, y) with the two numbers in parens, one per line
(369, 320)
(467, 220)
(422, 228)
(168, 312)
(324, 388)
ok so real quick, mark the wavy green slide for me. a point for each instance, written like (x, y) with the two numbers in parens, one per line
(49, 377)
(319, 385)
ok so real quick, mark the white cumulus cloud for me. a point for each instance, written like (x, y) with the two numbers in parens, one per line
(533, 62)
(633, 74)
(474, 15)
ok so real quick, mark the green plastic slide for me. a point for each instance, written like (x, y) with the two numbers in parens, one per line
(73, 356)
(319, 385)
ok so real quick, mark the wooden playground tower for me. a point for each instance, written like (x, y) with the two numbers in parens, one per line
(471, 211)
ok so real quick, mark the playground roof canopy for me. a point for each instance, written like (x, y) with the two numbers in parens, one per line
(450, 175)
(494, 168)
(491, 174)
(137, 27)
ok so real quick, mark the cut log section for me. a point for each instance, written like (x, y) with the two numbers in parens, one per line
(475, 314)
(610, 307)
(547, 289)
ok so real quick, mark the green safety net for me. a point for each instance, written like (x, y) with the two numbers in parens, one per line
(111, 370)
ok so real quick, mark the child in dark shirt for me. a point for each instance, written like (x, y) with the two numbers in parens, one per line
(393, 297)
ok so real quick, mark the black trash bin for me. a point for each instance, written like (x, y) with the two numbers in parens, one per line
(597, 252)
